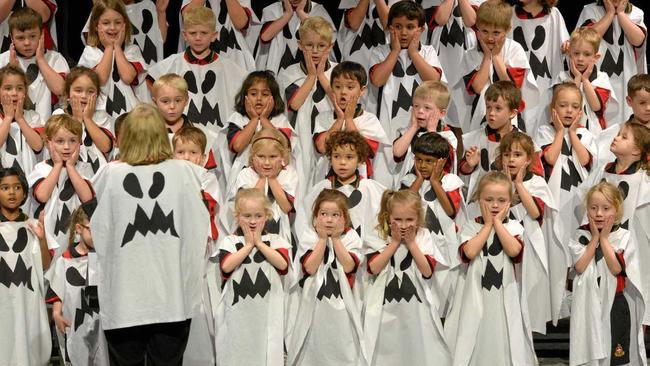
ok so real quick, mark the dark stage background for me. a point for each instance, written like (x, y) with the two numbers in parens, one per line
(72, 15)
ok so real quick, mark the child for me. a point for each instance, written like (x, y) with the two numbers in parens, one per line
(24, 325)
(495, 58)
(270, 170)
(45, 9)
(441, 196)
(81, 88)
(487, 313)
(401, 66)
(235, 24)
(212, 81)
(258, 104)
(346, 151)
(81, 339)
(362, 29)
(600, 104)
(348, 82)
(535, 208)
(189, 143)
(540, 17)
(252, 263)
(305, 85)
(170, 95)
(638, 98)
(401, 305)
(502, 101)
(568, 155)
(61, 183)
(281, 25)
(630, 172)
(430, 102)
(20, 143)
(621, 25)
(117, 61)
(45, 69)
(147, 266)
(328, 328)
(606, 320)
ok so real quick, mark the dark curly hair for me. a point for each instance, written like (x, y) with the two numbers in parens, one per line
(269, 78)
(353, 139)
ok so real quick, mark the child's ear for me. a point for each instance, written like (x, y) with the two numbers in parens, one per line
(363, 91)
(514, 113)
(628, 99)
(185, 36)
(78, 229)
(443, 112)
(214, 36)
(597, 56)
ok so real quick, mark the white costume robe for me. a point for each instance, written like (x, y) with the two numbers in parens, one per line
(487, 325)
(619, 59)
(401, 311)
(15, 152)
(593, 296)
(152, 236)
(24, 330)
(250, 316)
(328, 326)
(117, 97)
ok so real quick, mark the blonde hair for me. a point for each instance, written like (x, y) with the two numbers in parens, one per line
(588, 35)
(252, 194)
(494, 13)
(390, 199)
(59, 121)
(612, 194)
(332, 195)
(566, 86)
(493, 177)
(319, 26)
(171, 80)
(266, 137)
(143, 137)
(199, 16)
(434, 90)
(78, 217)
(99, 7)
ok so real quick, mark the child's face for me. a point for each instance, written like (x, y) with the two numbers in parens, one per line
(266, 160)
(424, 110)
(404, 216)
(11, 193)
(624, 144)
(515, 159)
(199, 37)
(26, 42)
(568, 105)
(13, 87)
(491, 35)
(65, 143)
(83, 230)
(498, 113)
(406, 28)
(424, 164)
(640, 103)
(170, 102)
(188, 150)
(251, 214)
(347, 89)
(259, 95)
(583, 55)
(295, 3)
(329, 215)
(344, 161)
(600, 209)
(317, 45)
(82, 89)
(111, 23)
(496, 196)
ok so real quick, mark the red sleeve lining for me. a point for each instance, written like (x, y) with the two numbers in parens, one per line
(370, 257)
(455, 198)
(469, 80)
(517, 75)
(540, 206)
(211, 204)
(603, 96)
(374, 146)
(249, 14)
(285, 254)
(432, 263)
(138, 69)
(461, 251)
(265, 27)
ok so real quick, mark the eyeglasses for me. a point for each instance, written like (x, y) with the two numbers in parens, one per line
(87, 227)
(315, 47)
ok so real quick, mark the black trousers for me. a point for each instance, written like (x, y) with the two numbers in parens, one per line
(161, 344)
(620, 329)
